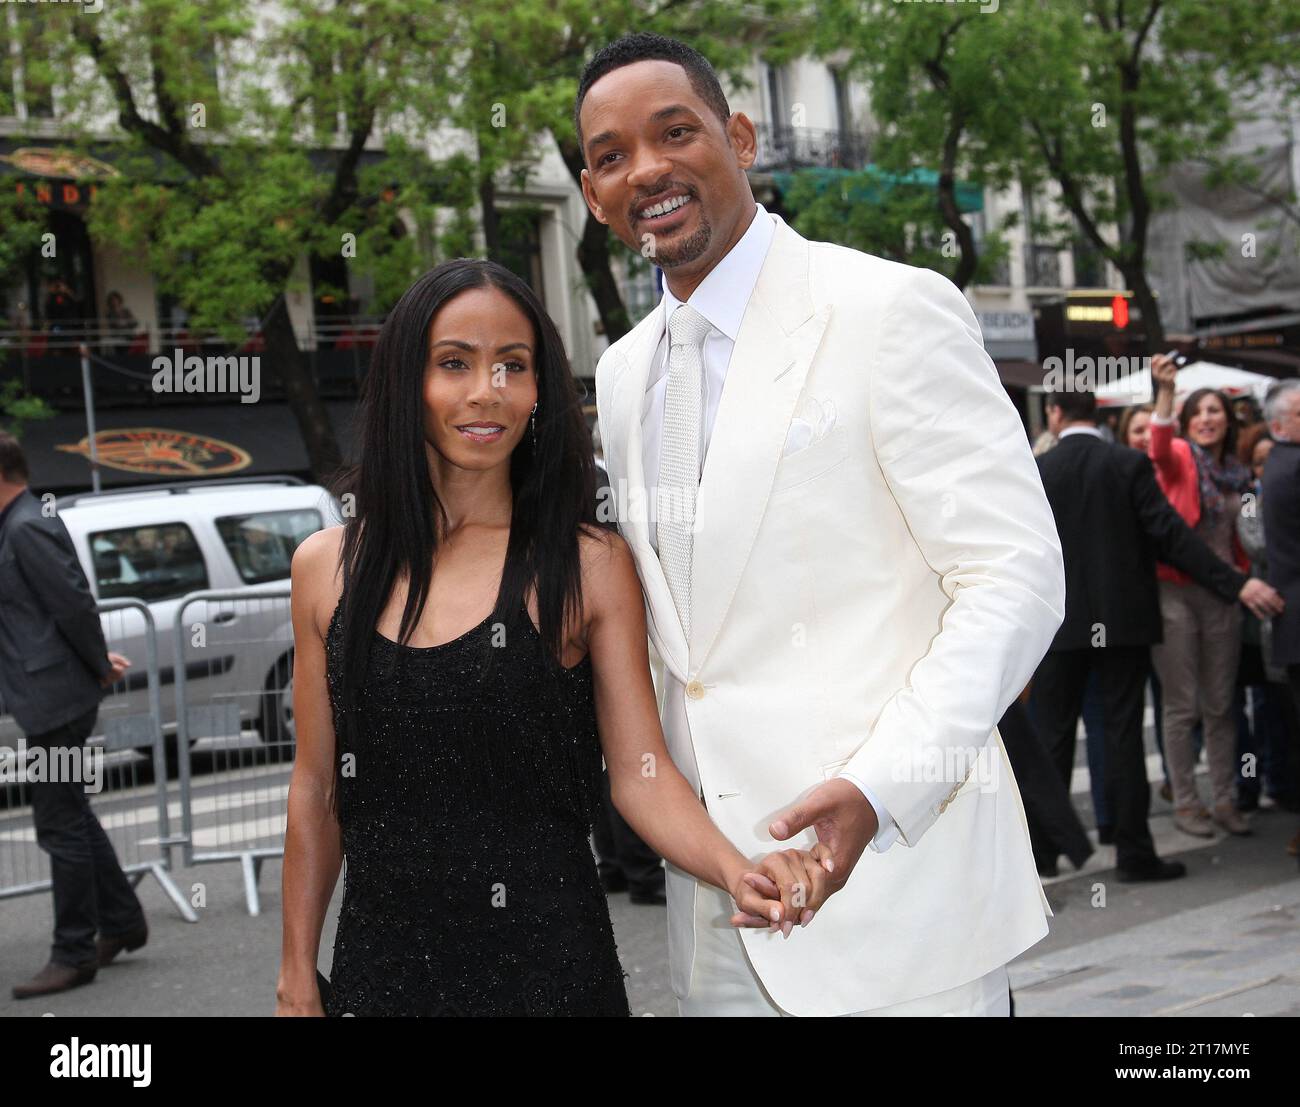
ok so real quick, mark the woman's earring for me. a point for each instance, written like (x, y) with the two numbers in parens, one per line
(533, 420)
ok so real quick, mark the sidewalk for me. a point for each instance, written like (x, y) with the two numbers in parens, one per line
(1225, 940)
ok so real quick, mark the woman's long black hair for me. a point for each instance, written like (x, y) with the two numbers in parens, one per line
(391, 532)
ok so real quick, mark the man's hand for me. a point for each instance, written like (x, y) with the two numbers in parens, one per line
(1263, 599)
(843, 820)
(120, 665)
(796, 879)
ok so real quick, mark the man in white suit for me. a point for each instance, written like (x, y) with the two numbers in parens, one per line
(849, 563)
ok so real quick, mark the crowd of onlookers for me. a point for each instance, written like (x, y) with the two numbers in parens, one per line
(1206, 494)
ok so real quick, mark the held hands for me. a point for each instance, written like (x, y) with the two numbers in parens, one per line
(843, 819)
(785, 887)
(844, 822)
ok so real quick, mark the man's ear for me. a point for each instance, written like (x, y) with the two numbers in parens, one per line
(589, 194)
(743, 137)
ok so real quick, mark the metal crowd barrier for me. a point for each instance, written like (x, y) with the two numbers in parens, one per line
(234, 720)
(127, 740)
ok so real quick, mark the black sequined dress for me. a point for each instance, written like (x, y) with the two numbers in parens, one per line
(470, 887)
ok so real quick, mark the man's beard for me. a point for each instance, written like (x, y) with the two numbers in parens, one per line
(689, 249)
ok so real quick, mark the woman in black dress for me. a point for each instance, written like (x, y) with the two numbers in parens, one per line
(458, 771)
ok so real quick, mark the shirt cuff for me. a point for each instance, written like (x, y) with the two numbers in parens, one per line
(1163, 420)
(887, 832)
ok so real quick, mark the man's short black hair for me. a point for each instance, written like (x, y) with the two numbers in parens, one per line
(1075, 404)
(646, 46)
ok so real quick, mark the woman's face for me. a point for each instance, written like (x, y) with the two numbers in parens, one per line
(481, 374)
(1139, 431)
(1209, 422)
(1259, 455)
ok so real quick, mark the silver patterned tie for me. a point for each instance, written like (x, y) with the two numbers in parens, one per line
(679, 462)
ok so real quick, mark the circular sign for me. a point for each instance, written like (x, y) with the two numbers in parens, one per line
(55, 161)
(165, 453)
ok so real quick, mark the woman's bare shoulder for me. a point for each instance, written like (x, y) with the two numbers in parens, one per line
(608, 566)
(318, 552)
(314, 572)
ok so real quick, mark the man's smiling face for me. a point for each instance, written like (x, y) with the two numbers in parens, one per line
(661, 163)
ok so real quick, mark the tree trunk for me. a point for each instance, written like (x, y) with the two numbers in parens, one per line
(593, 257)
(487, 198)
(968, 255)
(290, 367)
(1145, 299)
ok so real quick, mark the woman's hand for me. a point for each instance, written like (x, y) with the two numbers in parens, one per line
(298, 1003)
(791, 885)
(1163, 372)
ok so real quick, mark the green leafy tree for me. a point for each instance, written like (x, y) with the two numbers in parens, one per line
(926, 68)
(1114, 92)
(249, 140)
(23, 221)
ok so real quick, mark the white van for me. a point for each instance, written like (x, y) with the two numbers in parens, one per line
(157, 543)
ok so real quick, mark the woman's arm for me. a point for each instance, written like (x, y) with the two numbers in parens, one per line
(646, 786)
(1163, 375)
(313, 852)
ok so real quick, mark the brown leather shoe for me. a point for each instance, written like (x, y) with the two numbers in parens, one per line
(1194, 821)
(1231, 821)
(56, 978)
(108, 948)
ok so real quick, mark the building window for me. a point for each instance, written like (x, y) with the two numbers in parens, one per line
(1089, 265)
(778, 95)
(843, 107)
(520, 231)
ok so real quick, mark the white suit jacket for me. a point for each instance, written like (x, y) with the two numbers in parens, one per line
(872, 600)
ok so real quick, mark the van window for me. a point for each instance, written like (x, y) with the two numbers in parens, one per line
(155, 562)
(261, 545)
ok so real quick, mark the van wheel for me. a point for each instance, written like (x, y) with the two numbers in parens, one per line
(275, 720)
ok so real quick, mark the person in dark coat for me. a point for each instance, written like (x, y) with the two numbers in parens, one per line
(54, 669)
(1280, 503)
(1113, 522)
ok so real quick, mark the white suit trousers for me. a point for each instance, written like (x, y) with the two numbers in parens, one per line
(724, 985)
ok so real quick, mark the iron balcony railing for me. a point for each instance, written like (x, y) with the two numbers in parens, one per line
(788, 148)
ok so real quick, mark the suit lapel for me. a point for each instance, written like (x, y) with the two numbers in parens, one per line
(778, 339)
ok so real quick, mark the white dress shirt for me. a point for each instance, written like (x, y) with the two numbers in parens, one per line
(722, 298)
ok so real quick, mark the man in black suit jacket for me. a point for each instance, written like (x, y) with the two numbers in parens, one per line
(1280, 501)
(54, 670)
(1114, 521)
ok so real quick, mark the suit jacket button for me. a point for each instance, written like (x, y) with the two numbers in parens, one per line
(694, 689)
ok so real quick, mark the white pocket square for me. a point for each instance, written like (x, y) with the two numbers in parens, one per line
(812, 422)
